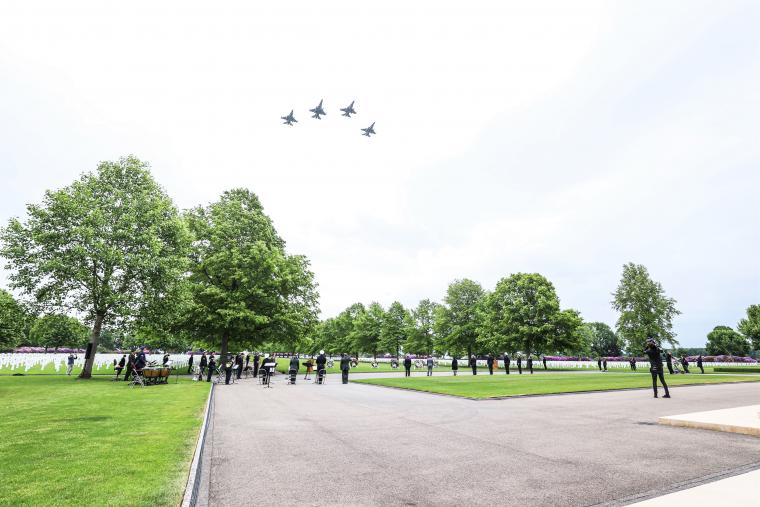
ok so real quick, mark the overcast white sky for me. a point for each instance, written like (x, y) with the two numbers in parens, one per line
(565, 138)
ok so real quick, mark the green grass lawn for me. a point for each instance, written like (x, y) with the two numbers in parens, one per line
(283, 364)
(96, 442)
(49, 369)
(487, 386)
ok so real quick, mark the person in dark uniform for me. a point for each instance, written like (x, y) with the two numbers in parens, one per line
(407, 366)
(654, 353)
(165, 359)
(247, 359)
(632, 362)
(599, 363)
(239, 364)
(295, 364)
(454, 365)
(530, 364)
(229, 367)
(489, 362)
(669, 361)
(544, 361)
(685, 364)
(345, 364)
(321, 362)
(190, 364)
(507, 361)
(519, 364)
(130, 364)
(203, 365)
(256, 360)
(604, 363)
(141, 360)
(309, 368)
(474, 364)
(210, 369)
(699, 363)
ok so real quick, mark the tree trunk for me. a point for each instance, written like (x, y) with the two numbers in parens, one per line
(223, 352)
(94, 337)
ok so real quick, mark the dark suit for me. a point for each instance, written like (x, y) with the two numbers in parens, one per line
(345, 364)
(474, 365)
(489, 362)
(506, 363)
(190, 364)
(454, 365)
(130, 364)
(255, 365)
(530, 365)
(519, 365)
(211, 368)
(321, 362)
(408, 366)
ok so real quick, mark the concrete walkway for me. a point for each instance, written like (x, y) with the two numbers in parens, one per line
(365, 445)
(737, 491)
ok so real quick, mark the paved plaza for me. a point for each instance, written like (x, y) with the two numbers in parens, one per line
(366, 445)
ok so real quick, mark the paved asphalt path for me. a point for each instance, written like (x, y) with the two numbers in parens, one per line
(366, 445)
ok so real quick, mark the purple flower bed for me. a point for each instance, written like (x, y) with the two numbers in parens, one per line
(707, 359)
(30, 350)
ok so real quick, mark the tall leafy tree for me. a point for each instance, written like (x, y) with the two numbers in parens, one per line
(56, 330)
(422, 335)
(107, 246)
(395, 330)
(602, 339)
(244, 289)
(369, 329)
(724, 340)
(457, 322)
(523, 314)
(750, 326)
(644, 309)
(12, 321)
(346, 337)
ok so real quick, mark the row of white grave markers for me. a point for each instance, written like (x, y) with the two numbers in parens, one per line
(23, 362)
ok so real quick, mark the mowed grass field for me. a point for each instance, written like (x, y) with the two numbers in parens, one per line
(96, 442)
(492, 386)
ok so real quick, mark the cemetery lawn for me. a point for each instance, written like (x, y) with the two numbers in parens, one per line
(96, 442)
(487, 386)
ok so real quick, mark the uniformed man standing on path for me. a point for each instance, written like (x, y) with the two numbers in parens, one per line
(408, 366)
(190, 364)
(599, 362)
(519, 364)
(130, 364)
(345, 364)
(489, 362)
(544, 360)
(454, 365)
(506, 362)
(654, 354)
(474, 364)
(430, 365)
(669, 361)
(604, 363)
(256, 360)
(293, 370)
(211, 368)
(699, 363)
(530, 364)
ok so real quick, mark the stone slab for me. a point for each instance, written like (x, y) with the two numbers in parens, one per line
(742, 420)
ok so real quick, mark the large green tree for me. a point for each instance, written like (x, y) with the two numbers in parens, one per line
(724, 340)
(644, 309)
(523, 314)
(602, 339)
(395, 329)
(12, 321)
(457, 321)
(369, 329)
(108, 246)
(750, 326)
(245, 290)
(56, 330)
(422, 338)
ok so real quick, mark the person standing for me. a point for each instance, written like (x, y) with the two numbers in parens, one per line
(519, 364)
(530, 364)
(685, 364)
(210, 369)
(454, 365)
(699, 364)
(120, 366)
(669, 361)
(70, 363)
(239, 364)
(474, 364)
(165, 359)
(604, 363)
(202, 365)
(309, 368)
(140, 360)
(247, 359)
(407, 366)
(190, 364)
(599, 362)
(430, 365)
(489, 363)
(632, 362)
(295, 364)
(256, 360)
(544, 360)
(654, 353)
(130, 365)
(321, 362)
(345, 364)
(507, 361)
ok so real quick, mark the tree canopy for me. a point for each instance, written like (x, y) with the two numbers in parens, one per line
(12, 321)
(396, 328)
(724, 340)
(56, 330)
(107, 246)
(750, 326)
(602, 340)
(458, 320)
(644, 309)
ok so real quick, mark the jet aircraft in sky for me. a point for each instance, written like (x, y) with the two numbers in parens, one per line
(289, 119)
(348, 111)
(369, 130)
(318, 111)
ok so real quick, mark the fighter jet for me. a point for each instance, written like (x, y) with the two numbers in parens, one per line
(289, 119)
(317, 111)
(348, 111)
(369, 130)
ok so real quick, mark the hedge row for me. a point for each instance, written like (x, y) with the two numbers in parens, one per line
(736, 369)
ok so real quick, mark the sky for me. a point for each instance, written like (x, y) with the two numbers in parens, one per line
(563, 138)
